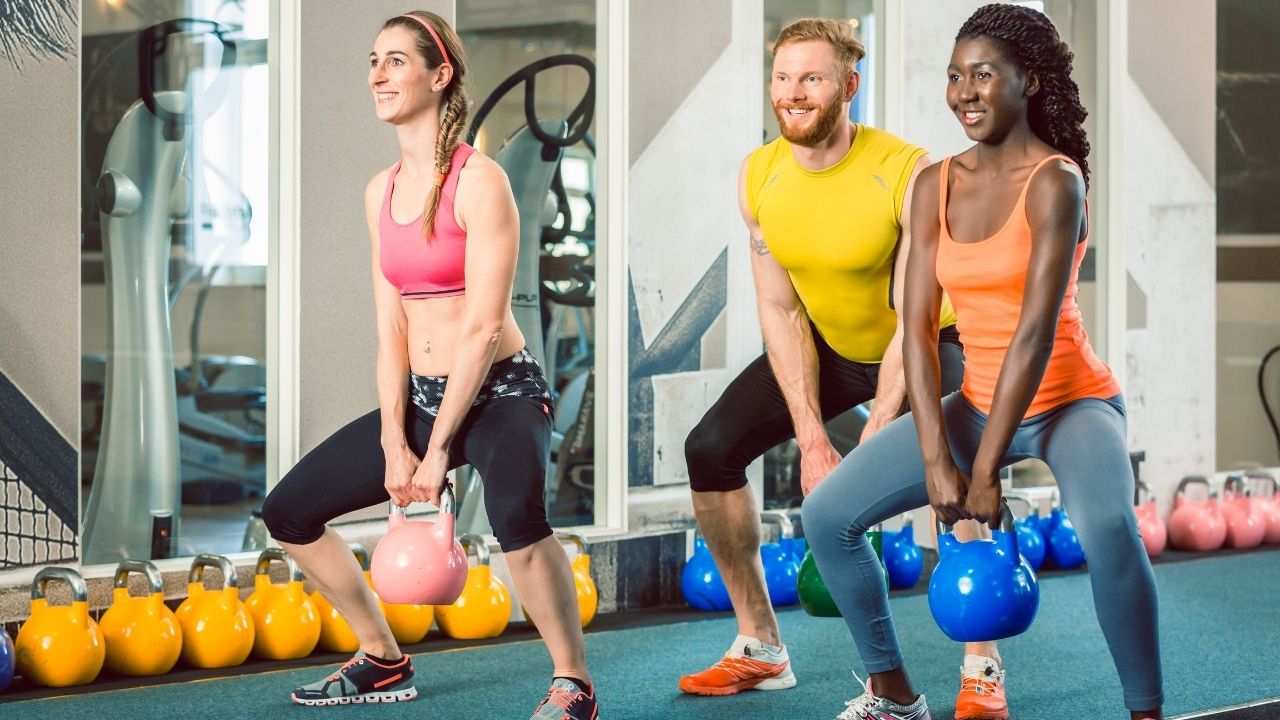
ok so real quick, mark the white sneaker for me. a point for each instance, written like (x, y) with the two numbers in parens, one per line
(869, 707)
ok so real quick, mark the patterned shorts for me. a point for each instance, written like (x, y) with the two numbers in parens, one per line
(517, 376)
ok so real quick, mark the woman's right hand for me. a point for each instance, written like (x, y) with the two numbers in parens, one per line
(401, 464)
(948, 487)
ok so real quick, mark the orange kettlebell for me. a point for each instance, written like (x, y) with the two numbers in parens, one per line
(60, 646)
(142, 634)
(217, 631)
(484, 607)
(286, 625)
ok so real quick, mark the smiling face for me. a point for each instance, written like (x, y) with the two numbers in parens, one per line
(402, 84)
(810, 93)
(987, 92)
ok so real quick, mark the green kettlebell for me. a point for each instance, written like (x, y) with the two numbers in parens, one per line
(814, 596)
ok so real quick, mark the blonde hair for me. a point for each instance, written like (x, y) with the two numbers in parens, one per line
(456, 111)
(836, 33)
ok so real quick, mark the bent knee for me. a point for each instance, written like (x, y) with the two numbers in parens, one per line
(287, 523)
(707, 454)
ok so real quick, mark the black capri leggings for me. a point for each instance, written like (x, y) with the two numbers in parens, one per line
(505, 436)
(751, 416)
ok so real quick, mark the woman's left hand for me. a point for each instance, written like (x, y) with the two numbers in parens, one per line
(428, 480)
(983, 501)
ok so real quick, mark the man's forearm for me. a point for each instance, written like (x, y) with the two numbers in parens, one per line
(891, 383)
(794, 359)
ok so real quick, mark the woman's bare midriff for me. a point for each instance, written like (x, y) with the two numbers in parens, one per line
(436, 324)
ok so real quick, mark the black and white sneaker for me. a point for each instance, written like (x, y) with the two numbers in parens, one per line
(361, 680)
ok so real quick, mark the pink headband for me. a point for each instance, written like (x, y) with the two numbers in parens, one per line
(434, 36)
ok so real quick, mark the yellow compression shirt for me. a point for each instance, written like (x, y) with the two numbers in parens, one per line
(835, 232)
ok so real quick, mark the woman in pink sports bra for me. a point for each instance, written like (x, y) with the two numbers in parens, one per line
(455, 383)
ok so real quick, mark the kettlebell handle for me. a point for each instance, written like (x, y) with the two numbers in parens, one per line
(1198, 479)
(1140, 486)
(142, 567)
(576, 539)
(217, 561)
(786, 529)
(1234, 480)
(278, 554)
(1264, 477)
(475, 543)
(1006, 521)
(79, 588)
(362, 554)
(446, 502)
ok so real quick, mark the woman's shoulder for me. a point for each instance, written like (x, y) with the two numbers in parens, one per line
(483, 171)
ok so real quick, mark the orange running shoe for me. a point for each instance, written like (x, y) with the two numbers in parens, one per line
(747, 666)
(981, 690)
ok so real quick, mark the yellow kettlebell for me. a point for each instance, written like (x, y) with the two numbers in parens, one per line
(336, 634)
(217, 631)
(142, 634)
(409, 623)
(585, 587)
(484, 607)
(285, 622)
(60, 646)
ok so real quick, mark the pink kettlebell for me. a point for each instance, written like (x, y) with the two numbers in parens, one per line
(1195, 526)
(1269, 506)
(420, 562)
(1154, 533)
(1245, 525)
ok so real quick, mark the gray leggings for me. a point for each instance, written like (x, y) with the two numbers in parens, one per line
(1083, 443)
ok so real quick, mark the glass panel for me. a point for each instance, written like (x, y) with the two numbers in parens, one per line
(781, 465)
(548, 48)
(1248, 257)
(175, 229)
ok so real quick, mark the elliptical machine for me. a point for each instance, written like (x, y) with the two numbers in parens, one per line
(546, 287)
(132, 511)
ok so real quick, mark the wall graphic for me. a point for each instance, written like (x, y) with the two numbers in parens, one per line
(38, 499)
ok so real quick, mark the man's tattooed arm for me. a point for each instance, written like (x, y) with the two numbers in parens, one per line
(757, 244)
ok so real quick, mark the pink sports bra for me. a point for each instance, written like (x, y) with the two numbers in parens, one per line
(417, 267)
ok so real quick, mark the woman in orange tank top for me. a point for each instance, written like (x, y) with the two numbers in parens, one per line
(1002, 229)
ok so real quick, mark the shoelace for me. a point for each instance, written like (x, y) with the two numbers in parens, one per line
(861, 706)
(561, 698)
(980, 681)
(337, 673)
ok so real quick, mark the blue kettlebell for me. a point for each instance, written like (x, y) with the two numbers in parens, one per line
(700, 581)
(781, 568)
(983, 590)
(1030, 541)
(7, 660)
(902, 557)
(1062, 544)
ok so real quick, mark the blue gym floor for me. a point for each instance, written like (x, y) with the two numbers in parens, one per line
(1219, 630)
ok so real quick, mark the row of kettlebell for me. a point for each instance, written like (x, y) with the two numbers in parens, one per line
(1243, 517)
(62, 646)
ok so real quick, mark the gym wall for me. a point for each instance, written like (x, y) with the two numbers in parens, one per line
(1170, 204)
(39, 296)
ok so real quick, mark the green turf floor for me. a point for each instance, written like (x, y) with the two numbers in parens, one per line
(1219, 629)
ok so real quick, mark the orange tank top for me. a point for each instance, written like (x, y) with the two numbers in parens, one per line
(985, 282)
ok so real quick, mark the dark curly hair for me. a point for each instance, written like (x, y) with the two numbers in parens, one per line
(1030, 40)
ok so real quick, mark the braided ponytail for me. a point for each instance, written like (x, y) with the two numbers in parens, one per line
(452, 123)
(1029, 39)
(455, 110)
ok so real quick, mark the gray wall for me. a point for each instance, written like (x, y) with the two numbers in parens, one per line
(343, 145)
(39, 234)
